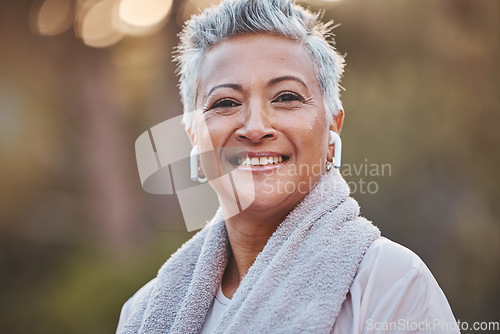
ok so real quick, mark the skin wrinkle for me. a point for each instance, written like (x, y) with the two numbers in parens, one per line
(207, 104)
(238, 87)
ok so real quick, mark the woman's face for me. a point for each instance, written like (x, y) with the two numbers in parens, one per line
(260, 107)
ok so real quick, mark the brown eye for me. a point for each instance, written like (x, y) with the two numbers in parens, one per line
(225, 103)
(288, 97)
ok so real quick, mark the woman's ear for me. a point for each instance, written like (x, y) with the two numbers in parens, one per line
(337, 122)
(335, 126)
(189, 131)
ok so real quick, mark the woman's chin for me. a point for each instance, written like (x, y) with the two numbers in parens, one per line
(261, 193)
(268, 201)
(264, 203)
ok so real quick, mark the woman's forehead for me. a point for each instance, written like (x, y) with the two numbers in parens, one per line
(255, 57)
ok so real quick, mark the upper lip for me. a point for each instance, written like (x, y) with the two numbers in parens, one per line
(261, 154)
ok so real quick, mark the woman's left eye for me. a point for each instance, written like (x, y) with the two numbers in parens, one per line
(288, 97)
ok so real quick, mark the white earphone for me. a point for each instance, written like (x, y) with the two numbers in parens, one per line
(335, 140)
(194, 165)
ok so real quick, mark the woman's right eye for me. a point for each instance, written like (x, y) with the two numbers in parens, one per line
(225, 103)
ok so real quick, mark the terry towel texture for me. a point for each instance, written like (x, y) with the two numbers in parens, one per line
(297, 284)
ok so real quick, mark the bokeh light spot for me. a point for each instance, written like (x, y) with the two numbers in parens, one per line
(96, 25)
(144, 14)
(54, 17)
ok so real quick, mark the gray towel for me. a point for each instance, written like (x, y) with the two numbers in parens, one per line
(297, 284)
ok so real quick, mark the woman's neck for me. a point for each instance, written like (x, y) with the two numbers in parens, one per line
(248, 234)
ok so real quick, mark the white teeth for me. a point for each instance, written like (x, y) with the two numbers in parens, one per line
(262, 161)
(244, 161)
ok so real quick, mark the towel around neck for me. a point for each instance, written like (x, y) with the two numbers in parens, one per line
(297, 284)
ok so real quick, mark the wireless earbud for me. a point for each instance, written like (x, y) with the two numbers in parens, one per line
(335, 140)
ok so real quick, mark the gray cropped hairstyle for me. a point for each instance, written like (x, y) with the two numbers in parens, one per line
(278, 17)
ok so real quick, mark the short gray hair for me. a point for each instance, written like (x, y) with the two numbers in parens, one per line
(278, 17)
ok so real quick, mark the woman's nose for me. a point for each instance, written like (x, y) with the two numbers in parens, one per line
(257, 126)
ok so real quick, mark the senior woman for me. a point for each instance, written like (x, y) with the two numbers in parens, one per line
(263, 79)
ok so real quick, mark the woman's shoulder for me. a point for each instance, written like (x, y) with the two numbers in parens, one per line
(392, 258)
(135, 302)
(387, 265)
(393, 286)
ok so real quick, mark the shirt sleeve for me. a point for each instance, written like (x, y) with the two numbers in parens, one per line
(394, 292)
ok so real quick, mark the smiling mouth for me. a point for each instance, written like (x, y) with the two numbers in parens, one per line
(258, 159)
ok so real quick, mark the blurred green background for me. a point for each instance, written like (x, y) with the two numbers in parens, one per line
(78, 235)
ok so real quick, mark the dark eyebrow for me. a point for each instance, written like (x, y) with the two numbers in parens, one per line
(284, 78)
(229, 85)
